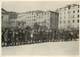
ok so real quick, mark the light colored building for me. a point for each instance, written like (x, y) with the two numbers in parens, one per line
(43, 18)
(69, 17)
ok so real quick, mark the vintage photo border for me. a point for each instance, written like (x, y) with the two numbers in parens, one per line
(33, 56)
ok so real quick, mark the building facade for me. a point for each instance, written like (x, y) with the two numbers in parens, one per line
(8, 19)
(69, 17)
(43, 18)
(12, 19)
(5, 18)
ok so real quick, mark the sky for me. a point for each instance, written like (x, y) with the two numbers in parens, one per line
(23, 6)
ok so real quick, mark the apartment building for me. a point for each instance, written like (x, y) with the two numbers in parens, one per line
(69, 17)
(43, 18)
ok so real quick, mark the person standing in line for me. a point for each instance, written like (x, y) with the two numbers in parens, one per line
(20, 37)
(31, 37)
(9, 37)
(28, 36)
(13, 37)
(5, 37)
(16, 37)
(23, 36)
(3, 40)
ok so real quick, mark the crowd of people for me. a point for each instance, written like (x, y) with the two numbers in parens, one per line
(13, 37)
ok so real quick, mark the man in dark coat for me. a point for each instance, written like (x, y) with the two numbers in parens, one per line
(9, 37)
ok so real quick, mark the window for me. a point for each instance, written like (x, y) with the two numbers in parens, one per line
(78, 11)
(73, 21)
(73, 11)
(69, 7)
(2, 17)
(78, 21)
(78, 16)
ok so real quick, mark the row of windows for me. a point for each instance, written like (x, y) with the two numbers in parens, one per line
(37, 13)
(72, 16)
(70, 12)
(73, 21)
(37, 19)
(69, 7)
(77, 11)
(41, 16)
(74, 11)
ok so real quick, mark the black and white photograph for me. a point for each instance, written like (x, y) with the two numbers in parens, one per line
(41, 28)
